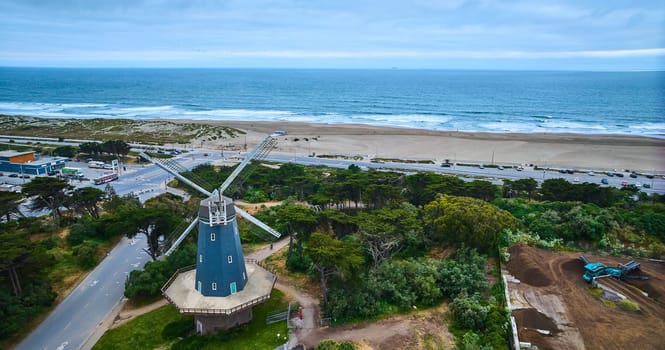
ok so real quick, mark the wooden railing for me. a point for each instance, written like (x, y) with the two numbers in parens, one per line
(254, 301)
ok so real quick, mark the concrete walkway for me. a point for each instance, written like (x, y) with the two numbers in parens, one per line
(262, 254)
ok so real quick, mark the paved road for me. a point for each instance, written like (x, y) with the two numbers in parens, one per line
(77, 316)
(473, 172)
(72, 322)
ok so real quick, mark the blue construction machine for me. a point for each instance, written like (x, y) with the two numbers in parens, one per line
(622, 271)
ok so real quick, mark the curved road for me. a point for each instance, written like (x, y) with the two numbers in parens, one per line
(77, 316)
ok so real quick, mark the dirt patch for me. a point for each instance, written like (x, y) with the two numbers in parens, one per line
(647, 287)
(582, 321)
(417, 330)
(526, 269)
(532, 318)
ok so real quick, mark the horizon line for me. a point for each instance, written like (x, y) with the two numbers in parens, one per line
(396, 68)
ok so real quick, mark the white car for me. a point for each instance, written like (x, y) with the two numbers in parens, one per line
(591, 173)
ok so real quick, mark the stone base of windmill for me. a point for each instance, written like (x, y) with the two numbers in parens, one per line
(211, 324)
(213, 314)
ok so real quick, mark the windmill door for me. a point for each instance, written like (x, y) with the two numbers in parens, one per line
(234, 290)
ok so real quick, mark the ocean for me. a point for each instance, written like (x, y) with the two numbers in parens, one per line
(629, 103)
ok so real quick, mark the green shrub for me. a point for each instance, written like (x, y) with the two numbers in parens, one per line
(469, 313)
(256, 196)
(178, 329)
(48, 243)
(471, 341)
(610, 304)
(85, 254)
(330, 344)
(80, 232)
(298, 263)
(596, 292)
(629, 305)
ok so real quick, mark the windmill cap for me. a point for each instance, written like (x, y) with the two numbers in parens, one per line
(214, 203)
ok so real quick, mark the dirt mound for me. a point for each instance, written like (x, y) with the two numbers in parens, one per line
(648, 287)
(532, 318)
(523, 265)
(573, 267)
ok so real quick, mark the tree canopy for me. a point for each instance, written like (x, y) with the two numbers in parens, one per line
(467, 220)
(49, 193)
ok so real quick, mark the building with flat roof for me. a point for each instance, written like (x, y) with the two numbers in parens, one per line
(27, 163)
(17, 157)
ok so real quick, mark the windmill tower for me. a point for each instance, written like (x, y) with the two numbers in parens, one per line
(222, 289)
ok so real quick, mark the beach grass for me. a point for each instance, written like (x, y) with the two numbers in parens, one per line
(143, 131)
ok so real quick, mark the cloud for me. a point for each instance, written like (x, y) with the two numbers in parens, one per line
(180, 30)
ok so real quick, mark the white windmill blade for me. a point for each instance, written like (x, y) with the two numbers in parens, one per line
(261, 149)
(257, 222)
(182, 236)
(176, 174)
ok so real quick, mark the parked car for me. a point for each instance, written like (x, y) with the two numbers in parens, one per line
(618, 174)
(604, 181)
(13, 175)
(445, 165)
(610, 174)
(24, 176)
(646, 185)
(500, 167)
(633, 175)
(481, 166)
(570, 171)
(1, 174)
(591, 173)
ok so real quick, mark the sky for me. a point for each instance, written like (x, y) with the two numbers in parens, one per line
(612, 35)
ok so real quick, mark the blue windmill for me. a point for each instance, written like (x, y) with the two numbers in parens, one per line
(222, 289)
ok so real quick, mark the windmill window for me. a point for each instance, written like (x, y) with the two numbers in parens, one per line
(212, 237)
(200, 257)
(199, 286)
(243, 276)
(230, 258)
(234, 289)
(214, 286)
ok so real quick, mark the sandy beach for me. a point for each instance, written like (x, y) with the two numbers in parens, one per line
(556, 150)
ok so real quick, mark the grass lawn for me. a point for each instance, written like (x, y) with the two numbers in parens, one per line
(162, 328)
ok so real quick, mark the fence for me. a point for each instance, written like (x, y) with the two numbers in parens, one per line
(196, 311)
